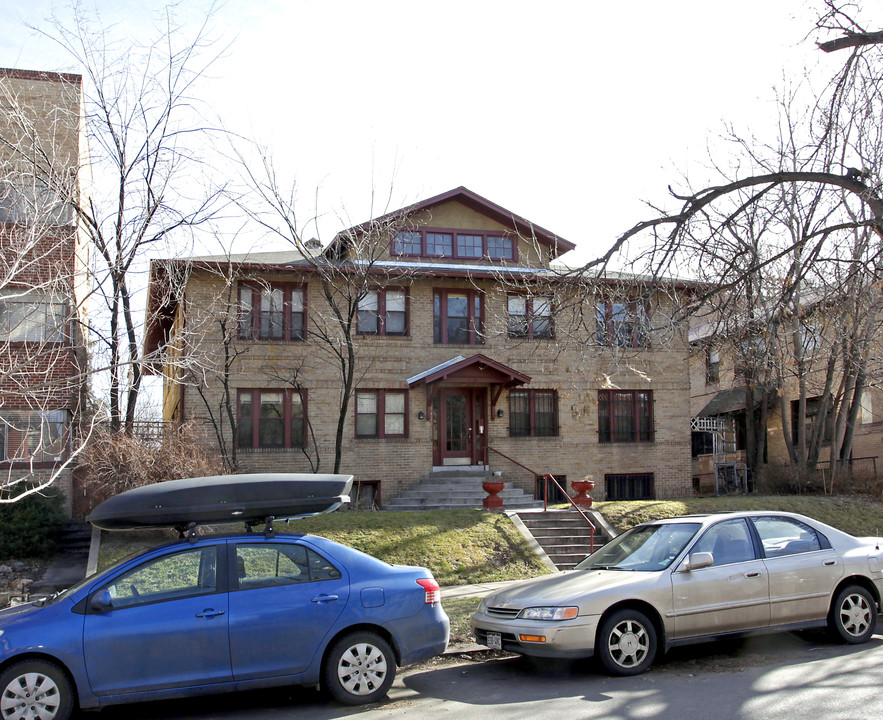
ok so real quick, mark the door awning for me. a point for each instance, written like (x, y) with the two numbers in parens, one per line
(727, 402)
(476, 369)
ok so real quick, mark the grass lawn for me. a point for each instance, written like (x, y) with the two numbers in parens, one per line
(458, 546)
(855, 515)
(469, 546)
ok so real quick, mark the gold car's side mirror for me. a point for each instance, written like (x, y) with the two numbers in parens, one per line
(697, 561)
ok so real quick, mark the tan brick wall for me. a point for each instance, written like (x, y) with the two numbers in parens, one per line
(577, 371)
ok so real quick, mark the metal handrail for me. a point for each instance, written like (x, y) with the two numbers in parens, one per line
(546, 478)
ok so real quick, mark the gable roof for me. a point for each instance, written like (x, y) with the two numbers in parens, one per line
(478, 368)
(474, 201)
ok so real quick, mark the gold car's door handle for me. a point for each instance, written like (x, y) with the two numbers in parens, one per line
(752, 574)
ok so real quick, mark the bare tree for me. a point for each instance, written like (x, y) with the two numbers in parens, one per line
(789, 233)
(349, 272)
(142, 128)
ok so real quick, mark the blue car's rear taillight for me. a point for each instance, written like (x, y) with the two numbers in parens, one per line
(433, 594)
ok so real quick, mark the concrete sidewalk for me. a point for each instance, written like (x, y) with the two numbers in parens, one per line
(475, 590)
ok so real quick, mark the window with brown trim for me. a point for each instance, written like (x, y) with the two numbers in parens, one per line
(383, 312)
(635, 486)
(381, 413)
(625, 416)
(457, 317)
(271, 418)
(530, 316)
(622, 323)
(276, 311)
(456, 244)
(533, 413)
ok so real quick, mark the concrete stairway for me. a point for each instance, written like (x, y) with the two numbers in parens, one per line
(69, 565)
(563, 534)
(457, 489)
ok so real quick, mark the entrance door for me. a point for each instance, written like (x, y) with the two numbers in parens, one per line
(461, 420)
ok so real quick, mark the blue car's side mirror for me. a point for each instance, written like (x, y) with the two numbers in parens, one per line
(101, 602)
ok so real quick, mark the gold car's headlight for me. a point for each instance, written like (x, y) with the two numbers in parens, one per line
(549, 613)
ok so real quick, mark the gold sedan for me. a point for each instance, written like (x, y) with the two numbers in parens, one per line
(691, 579)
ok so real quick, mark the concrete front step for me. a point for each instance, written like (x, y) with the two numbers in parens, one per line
(563, 535)
(568, 520)
(452, 489)
(426, 491)
(75, 538)
(442, 505)
(560, 541)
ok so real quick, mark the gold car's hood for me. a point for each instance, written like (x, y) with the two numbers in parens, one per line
(570, 587)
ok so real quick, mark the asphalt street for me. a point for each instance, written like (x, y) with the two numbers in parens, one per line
(777, 676)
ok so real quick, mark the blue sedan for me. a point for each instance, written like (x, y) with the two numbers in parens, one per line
(220, 613)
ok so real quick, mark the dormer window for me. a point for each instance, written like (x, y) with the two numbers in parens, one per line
(454, 244)
(470, 246)
(407, 243)
(500, 248)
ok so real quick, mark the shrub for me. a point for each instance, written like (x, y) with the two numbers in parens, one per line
(113, 462)
(31, 527)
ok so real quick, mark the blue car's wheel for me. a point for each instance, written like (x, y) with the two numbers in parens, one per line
(35, 689)
(359, 668)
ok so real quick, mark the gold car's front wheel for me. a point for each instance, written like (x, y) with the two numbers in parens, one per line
(626, 643)
(853, 615)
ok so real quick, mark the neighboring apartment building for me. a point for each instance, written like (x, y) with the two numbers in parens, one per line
(718, 409)
(42, 273)
(469, 353)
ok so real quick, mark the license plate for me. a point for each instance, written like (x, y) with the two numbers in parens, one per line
(494, 641)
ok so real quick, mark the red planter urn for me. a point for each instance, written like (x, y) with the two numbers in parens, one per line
(583, 487)
(492, 501)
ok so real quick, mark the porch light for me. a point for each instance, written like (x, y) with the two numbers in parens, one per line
(500, 413)
(421, 415)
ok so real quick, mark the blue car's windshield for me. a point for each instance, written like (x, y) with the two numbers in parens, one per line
(646, 548)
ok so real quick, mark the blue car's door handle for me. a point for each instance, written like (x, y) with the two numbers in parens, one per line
(324, 598)
(209, 612)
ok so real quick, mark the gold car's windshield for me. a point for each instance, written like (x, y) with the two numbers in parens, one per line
(646, 548)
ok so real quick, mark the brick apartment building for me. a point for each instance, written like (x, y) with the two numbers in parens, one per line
(470, 352)
(718, 408)
(42, 273)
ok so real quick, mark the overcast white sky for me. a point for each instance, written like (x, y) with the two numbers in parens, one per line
(568, 113)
